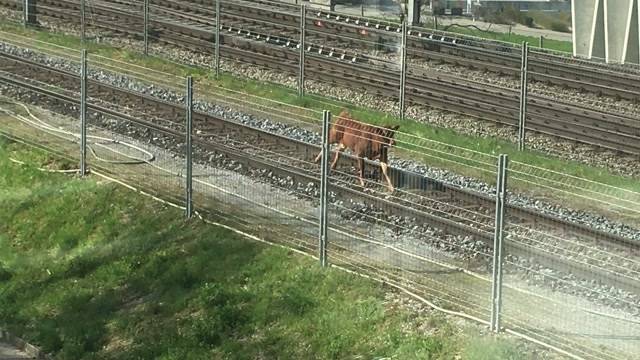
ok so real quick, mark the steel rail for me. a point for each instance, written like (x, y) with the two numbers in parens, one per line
(394, 205)
(460, 49)
(611, 131)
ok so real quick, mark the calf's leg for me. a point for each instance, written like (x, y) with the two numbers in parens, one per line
(361, 170)
(335, 159)
(384, 167)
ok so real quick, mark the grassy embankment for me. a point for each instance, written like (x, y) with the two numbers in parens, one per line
(559, 45)
(491, 146)
(88, 271)
(555, 21)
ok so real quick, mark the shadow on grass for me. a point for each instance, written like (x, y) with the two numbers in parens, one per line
(91, 272)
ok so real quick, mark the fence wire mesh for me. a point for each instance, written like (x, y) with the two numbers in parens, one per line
(577, 294)
(576, 291)
(619, 199)
(13, 12)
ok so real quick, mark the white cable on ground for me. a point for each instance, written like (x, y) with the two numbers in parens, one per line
(42, 125)
(45, 170)
(385, 282)
(399, 287)
(46, 127)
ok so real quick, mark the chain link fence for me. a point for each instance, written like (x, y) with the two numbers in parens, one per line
(253, 165)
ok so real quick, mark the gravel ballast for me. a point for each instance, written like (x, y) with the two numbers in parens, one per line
(311, 137)
(448, 177)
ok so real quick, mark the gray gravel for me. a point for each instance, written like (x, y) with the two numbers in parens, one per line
(614, 162)
(445, 176)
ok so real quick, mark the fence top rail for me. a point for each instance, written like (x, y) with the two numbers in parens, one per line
(128, 67)
(574, 177)
(9, 36)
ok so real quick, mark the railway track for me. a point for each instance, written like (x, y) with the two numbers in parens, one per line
(450, 209)
(194, 30)
(349, 32)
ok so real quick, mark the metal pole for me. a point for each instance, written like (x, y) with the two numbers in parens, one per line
(324, 182)
(541, 42)
(189, 106)
(303, 16)
(523, 96)
(83, 113)
(496, 284)
(146, 27)
(217, 49)
(403, 68)
(82, 23)
(25, 12)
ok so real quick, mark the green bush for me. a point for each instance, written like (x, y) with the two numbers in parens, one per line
(559, 26)
(528, 21)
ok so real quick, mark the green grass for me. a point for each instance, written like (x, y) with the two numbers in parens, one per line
(88, 271)
(558, 45)
(490, 146)
(489, 349)
(556, 21)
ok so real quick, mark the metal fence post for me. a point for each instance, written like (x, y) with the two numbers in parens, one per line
(146, 27)
(403, 68)
(496, 284)
(82, 23)
(83, 113)
(523, 96)
(188, 150)
(29, 12)
(541, 42)
(303, 16)
(25, 12)
(217, 40)
(324, 182)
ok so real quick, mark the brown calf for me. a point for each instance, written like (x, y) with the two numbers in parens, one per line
(364, 140)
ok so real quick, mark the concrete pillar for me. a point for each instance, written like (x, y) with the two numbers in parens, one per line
(638, 18)
(583, 16)
(607, 29)
(617, 25)
(598, 43)
(632, 54)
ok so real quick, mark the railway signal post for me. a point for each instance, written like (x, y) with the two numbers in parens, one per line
(324, 182)
(189, 180)
(403, 68)
(146, 27)
(217, 40)
(83, 113)
(523, 96)
(82, 23)
(302, 46)
(496, 284)
(29, 12)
